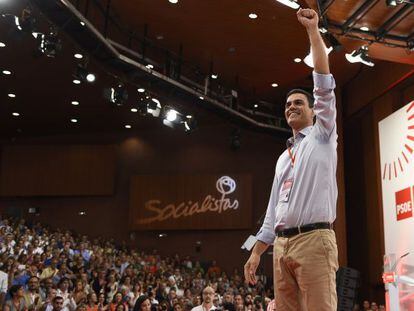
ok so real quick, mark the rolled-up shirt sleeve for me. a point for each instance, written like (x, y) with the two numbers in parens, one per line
(325, 103)
(266, 233)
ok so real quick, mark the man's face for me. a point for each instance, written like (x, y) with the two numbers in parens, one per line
(238, 300)
(365, 304)
(64, 285)
(33, 284)
(228, 298)
(57, 304)
(52, 293)
(298, 114)
(208, 295)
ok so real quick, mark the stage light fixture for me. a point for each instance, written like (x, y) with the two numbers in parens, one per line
(117, 95)
(360, 56)
(332, 41)
(25, 23)
(190, 124)
(308, 60)
(171, 115)
(290, 3)
(391, 2)
(50, 44)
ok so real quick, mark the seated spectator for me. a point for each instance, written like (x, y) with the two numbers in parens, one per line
(32, 296)
(57, 303)
(214, 270)
(48, 304)
(143, 304)
(102, 305)
(16, 301)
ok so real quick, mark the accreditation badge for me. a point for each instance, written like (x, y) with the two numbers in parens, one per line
(285, 191)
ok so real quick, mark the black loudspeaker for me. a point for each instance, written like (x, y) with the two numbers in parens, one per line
(347, 284)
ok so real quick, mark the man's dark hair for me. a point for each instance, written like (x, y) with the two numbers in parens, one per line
(56, 298)
(14, 289)
(300, 91)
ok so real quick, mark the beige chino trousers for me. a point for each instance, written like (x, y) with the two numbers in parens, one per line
(305, 268)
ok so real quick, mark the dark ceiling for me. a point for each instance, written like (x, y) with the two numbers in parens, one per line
(205, 37)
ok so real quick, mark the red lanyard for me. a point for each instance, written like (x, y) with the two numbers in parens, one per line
(292, 156)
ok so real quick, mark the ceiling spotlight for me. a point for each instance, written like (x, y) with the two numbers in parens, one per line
(116, 95)
(82, 74)
(214, 76)
(308, 60)
(78, 56)
(2, 44)
(171, 115)
(173, 1)
(256, 106)
(127, 126)
(11, 95)
(290, 3)
(91, 78)
(364, 28)
(134, 110)
(75, 103)
(50, 44)
(76, 81)
(6, 72)
(275, 85)
(360, 56)
(253, 15)
(16, 114)
(149, 66)
(141, 90)
(82, 23)
(74, 120)
(297, 60)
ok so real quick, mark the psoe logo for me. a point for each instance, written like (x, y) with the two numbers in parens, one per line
(404, 205)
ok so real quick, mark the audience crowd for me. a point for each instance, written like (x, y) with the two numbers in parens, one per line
(47, 270)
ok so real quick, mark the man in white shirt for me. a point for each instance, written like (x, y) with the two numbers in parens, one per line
(302, 205)
(207, 304)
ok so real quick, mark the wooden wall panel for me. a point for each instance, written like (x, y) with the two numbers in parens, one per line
(190, 202)
(57, 170)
